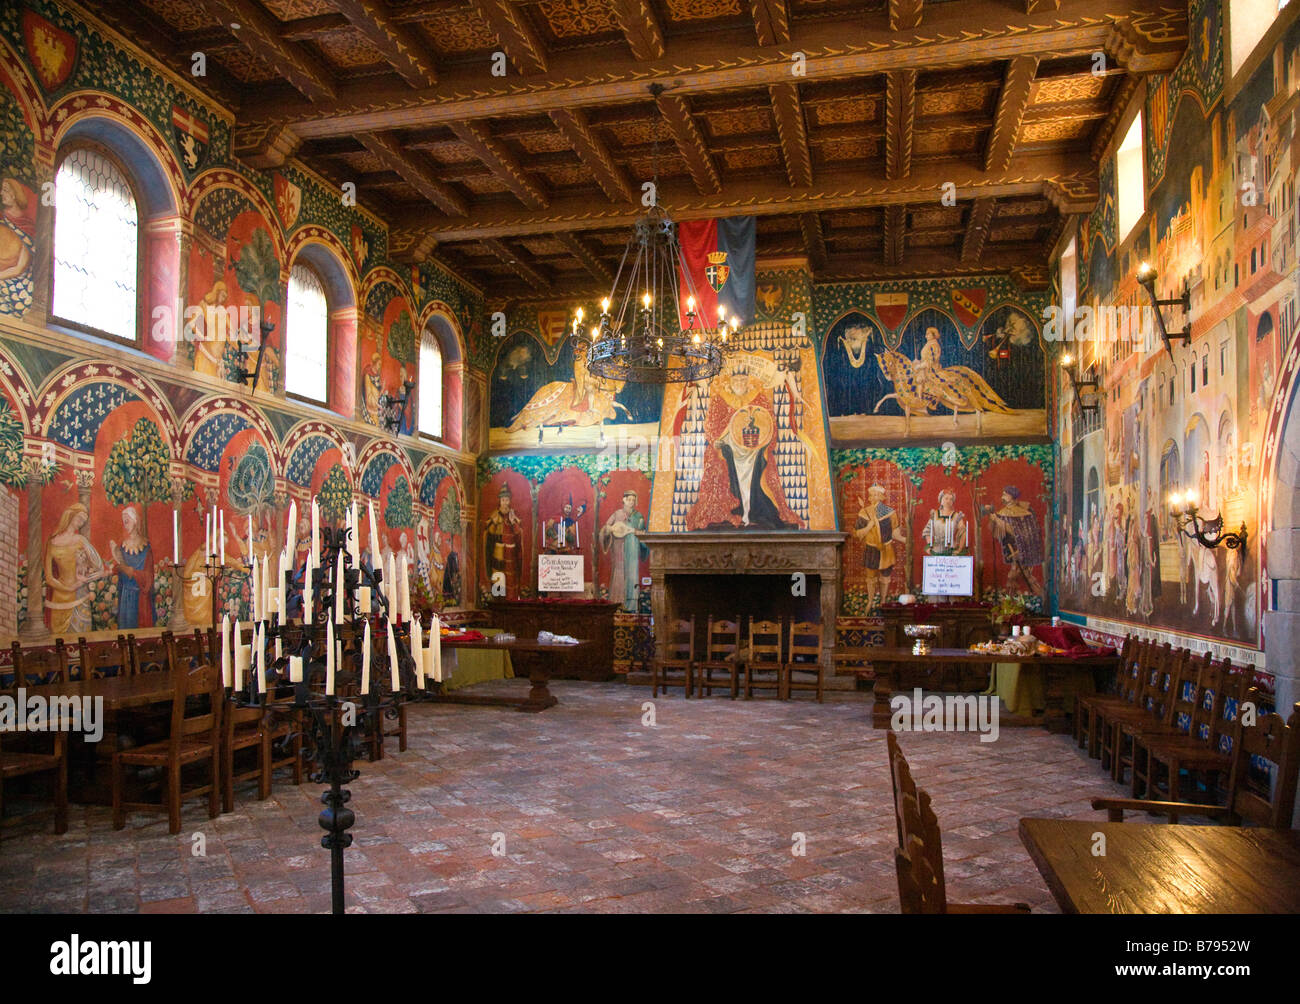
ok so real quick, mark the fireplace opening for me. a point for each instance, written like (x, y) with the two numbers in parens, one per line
(762, 597)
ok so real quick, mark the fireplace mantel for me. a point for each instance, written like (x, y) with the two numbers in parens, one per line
(746, 553)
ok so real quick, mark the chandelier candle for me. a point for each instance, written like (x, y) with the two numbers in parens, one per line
(227, 670)
(365, 660)
(329, 657)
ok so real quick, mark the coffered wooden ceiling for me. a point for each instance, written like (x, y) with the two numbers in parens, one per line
(526, 183)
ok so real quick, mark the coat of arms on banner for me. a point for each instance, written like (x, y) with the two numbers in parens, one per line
(288, 200)
(52, 51)
(969, 305)
(891, 308)
(716, 271)
(191, 137)
(770, 296)
(552, 325)
(360, 247)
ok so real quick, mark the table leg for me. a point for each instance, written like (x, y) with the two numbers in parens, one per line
(539, 674)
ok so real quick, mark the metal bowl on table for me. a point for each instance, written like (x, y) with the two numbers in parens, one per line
(922, 635)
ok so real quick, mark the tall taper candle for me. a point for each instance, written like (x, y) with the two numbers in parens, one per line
(291, 531)
(392, 659)
(390, 585)
(282, 578)
(250, 538)
(241, 656)
(374, 534)
(221, 535)
(354, 546)
(329, 657)
(255, 593)
(365, 660)
(207, 538)
(176, 536)
(417, 650)
(315, 528)
(338, 589)
(261, 658)
(308, 597)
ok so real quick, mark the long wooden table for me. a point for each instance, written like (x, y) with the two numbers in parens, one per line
(117, 692)
(1056, 668)
(1165, 867)
(538, 658)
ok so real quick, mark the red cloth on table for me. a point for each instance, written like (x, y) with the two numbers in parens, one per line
(1068, 639)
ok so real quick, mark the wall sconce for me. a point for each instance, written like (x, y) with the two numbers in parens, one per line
(242, 373)
(1081, 387)
(394, 408)
(1146, 277)
(1207, 533)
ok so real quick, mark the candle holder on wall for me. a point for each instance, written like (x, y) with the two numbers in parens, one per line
(1146, 277)
(1206, 532)
(352, 704)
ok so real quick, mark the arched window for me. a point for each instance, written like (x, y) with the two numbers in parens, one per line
(96, 244)
(306, 352)
(430, 404)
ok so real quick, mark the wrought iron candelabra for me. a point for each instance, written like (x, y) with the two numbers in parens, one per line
(334, 725)
(1206, 532)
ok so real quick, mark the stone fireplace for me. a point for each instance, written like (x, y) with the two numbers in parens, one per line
(690, 571)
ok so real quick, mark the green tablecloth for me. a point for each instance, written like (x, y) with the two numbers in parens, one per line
(476, 666)
(1022, 691)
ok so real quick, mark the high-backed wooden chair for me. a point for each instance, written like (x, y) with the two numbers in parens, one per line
(195, 739)
(1179, 713)
(262, 731)
(20, 763)
(102, 659)
(35, 666)
(1148, 712)
(1264, 798)
(676, 666)
(722, 655)
(1205, 749)
(1133, 690)
(763, 655)
(803, 657)
(190, 650)
(1089, 708)
(150, 654)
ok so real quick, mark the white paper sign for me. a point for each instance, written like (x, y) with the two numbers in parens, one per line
(947, 574)
(559, 573)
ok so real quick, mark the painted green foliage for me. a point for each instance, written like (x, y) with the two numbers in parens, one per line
(335, 494)
(11, 446)
(257, 269)
(536, 468)
(399, 510)
(137, 469)
(252, 485)
(449, 518)
(401, 339)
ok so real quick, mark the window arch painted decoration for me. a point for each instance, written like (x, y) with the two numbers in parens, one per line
(96, 244)
(430, 403)
(306, 354)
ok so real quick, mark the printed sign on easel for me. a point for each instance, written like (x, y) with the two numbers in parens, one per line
(559, 573)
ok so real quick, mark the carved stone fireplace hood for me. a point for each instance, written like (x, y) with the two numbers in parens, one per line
(815, 553)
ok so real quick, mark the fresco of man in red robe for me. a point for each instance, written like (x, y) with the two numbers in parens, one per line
(503, 546)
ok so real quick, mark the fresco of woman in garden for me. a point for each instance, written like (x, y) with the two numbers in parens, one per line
(133, 561)
(17, 246)
(71, 565)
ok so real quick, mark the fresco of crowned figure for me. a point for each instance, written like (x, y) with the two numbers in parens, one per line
(71, 565)
(586, 400)
(739, 488)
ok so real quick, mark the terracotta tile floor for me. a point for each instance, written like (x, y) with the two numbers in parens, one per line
(597, 813)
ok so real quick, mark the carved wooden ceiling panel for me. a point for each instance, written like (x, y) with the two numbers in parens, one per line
(482, 155)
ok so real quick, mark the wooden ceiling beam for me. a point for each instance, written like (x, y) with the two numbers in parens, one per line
(956, 35)
(895, 227)
(572, 124)
(793, 133)
(579, 250)
(1068, 180)
(900, 122)
(1012, 102)
(388, 151)
(260, 34)
(515, 35)
(400, 46)
(502, 163)
(1124, 92)
(527, 272)
(413, 249)
(1036, 6)
(925, 263)
(645, 38)
(771, 21)
(677, 113)
(977, 229)
(904, 15)
(814, 241)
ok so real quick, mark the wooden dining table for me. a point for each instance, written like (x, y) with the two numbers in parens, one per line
(1165, 867)
(537, 660)
(117, 692)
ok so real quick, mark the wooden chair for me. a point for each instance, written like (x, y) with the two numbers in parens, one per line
(260, 730)
(677, 665)
(102, 659)
(1180, 714)
(1134, 689)
(1205, 749)
(189, 650)
(35, 666)
(1148, 712)
(1089, 708)
(764, 654)
(150, 655)
(195, 738)
(1268, 802)
(803, 656)
(722, 651)
(20, 763)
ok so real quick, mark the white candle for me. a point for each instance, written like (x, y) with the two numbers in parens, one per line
(329, 657)
(207, 537)
(417, 652)
(291, 531)
(283, 577)
(315, 529)
(390, 585)
(261, 658)
(227, 669)
(266, 586)
(255, 594)
(250, 537)
(363, 599)
(354, 546)
(435, 647)
(365, 660)
(307, 597)
(374, 534)
(221, 536)
(241, 656)
(279, 651)
(295, 669)
(338, 590)
(405, 590)
(176, 536)
(392, 659)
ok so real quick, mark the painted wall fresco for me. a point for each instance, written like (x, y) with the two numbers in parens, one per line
(900, 504)
(103, 448)
(932, 358)
(1222, 219)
